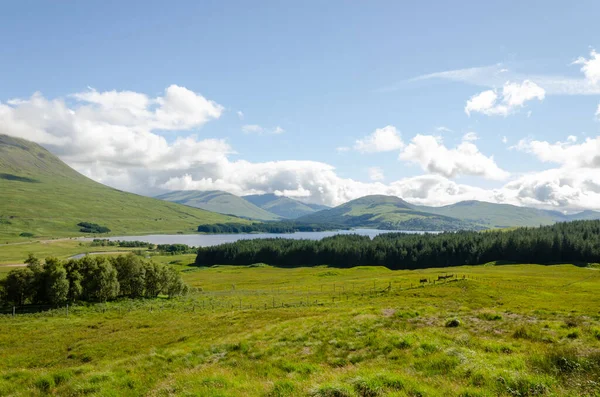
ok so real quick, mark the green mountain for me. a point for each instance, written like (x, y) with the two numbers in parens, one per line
(587, 215)
(41, 195)
(219, 201)
(386, 212)
(284, 207)
(318, 207)
(492, 215)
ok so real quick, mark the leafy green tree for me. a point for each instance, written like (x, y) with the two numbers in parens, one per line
(156, 279)
(131, 275)
(18, 286)
(174, 284)
(56, 282)
(100, 279)
(75, 278)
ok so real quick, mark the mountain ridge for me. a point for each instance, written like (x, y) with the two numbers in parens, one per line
(219, 201)
(42, 196)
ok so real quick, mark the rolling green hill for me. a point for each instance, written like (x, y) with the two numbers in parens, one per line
(492, 215)
(587, 215)
(41, 195)
(284, 207)
(219, 201)
(386, 212)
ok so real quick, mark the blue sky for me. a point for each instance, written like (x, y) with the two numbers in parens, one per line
(323, 75)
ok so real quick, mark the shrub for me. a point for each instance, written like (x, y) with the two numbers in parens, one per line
(45, 383)
(282, 388)
(26, 234)
(489, 316)
(453, 323)
(331, 391)
(88, 227)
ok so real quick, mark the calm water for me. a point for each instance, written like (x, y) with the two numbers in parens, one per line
(207, 240)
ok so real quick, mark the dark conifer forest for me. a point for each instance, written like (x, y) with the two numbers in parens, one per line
(571, 242)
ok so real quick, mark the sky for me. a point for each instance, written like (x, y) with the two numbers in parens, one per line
(435, 102)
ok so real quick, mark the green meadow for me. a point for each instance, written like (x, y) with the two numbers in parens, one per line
(511, 330)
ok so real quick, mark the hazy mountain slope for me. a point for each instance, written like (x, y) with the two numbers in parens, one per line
(385, 212)
(494, 215)
(584, 215)
(219, 201)
(317, 207)
(284, 207)
(40, 194)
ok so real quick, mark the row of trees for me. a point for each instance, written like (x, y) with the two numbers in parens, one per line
(91, 278)
(268, 227)
(104, 242)
(564, 242)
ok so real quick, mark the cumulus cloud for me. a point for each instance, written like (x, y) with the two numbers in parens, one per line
(257, 129)
(240, 114)
(430, 153)
(569, 153)
(590, 67)
(513, 97)
(562, 188)
(381, 140)
(376, 174)
(116, 138)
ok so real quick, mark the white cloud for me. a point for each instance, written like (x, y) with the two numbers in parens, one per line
(504, 139)
(570, 154)
(493, 76)
(443, 129)
(252, 128)
(376, 174)
(591, 67)
(342, 149)
(558, 188)
(257, 129)
(598, 112)
(514, 96)
(466, 159)
(381, 140)
(470, 137)
(240, 114)
(115, 139)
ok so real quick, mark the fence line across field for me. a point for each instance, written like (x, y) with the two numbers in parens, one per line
(282, 297)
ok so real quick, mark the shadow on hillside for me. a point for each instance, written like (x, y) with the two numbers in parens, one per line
(11, 177)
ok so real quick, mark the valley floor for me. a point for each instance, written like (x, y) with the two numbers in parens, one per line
(521, 330)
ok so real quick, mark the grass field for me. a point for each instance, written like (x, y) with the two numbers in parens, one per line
(521, 330)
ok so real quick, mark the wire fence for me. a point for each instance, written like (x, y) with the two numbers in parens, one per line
(326, 294)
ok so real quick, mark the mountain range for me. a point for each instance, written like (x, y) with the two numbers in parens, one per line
(42, 196)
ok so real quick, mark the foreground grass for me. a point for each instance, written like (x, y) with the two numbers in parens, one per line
(521, 330)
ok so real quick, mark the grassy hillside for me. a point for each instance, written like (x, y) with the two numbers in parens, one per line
(521, 330)
(219, 201)
(584, 215)
(385, 212)
(494, 215)
(41, 195)
(284, 207)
